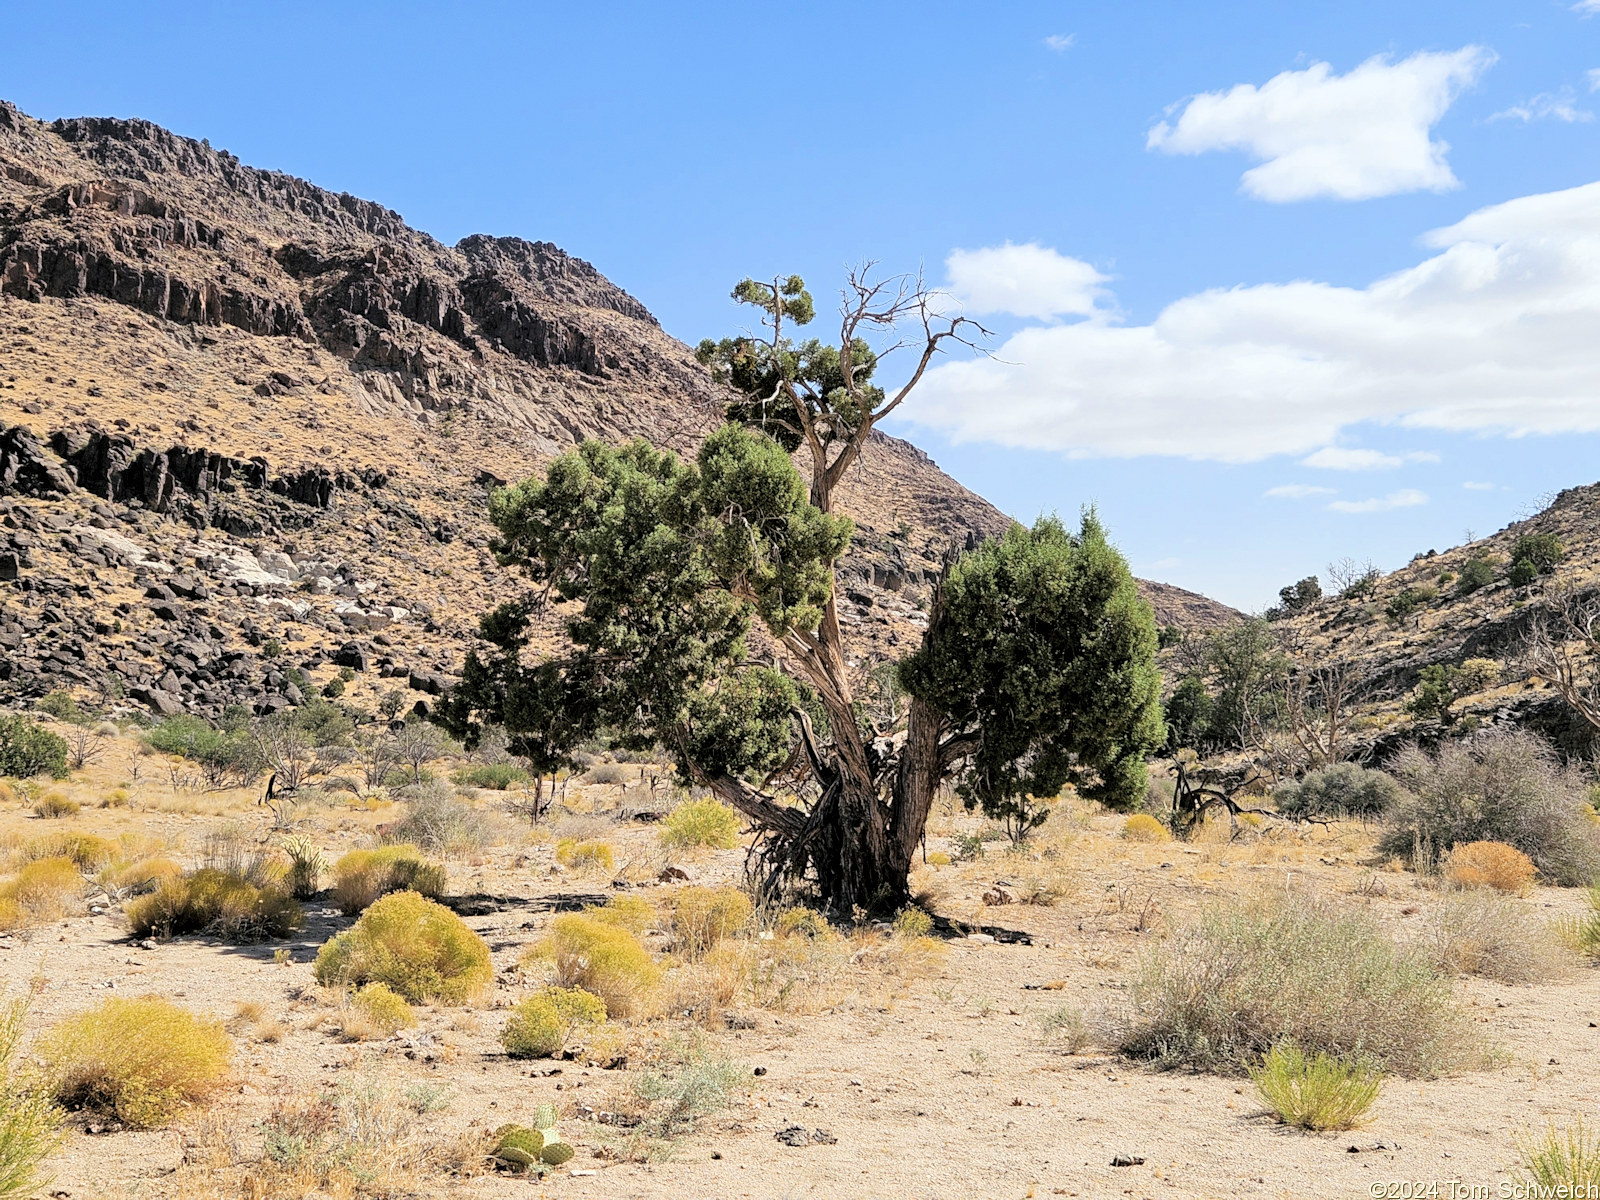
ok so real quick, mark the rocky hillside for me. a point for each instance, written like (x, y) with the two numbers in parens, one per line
(249, 424)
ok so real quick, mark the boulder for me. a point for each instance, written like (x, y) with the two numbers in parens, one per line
(353, 655)
(28, 469)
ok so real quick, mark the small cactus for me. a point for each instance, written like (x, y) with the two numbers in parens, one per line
(519, 1147)
(556, 1153)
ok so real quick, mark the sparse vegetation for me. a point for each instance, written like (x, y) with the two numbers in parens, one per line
(412, 944)
(1491, 864)
(140, 1060)
(28, 749)
(1563, 1160)
(42, 890)
(702, 917)
(54, 804)
(439, 823)
(1581, 933)
(225, 903)
(29, 1123)
(495, 777)
(1245, 978)
(704, 823)
(677, 1095)
(1318, 1091)
(1484, 934)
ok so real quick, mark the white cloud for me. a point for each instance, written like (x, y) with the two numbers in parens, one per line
(1587, 7)
(1352, 136)
(1555, 106)
(1405, 498)
(1297, 491)
(1026, 281)
(1493, 333)
(1340, 458)
(1060, 41)
(1472, 486)
(1593, 74)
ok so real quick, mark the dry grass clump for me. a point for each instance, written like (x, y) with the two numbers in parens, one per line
(1484, 934)
(1244, 978)
(361, 876)
(140, 1060)
(215, 901)
(41, 891)
(540, 1026)
(53, 805)
(702, 917)
(88, 852)
(1064, 1030)
(417, 947)
(29, 1123)
(605, 960)
(1142, 827)
(1563, 1161)
(586, 856)
(1503, 787)
(1493, 865)
(1318, 1091)
(137, 877)
(708, 824)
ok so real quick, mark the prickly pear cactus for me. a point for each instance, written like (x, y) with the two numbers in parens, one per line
(556, 1153)
(519, 1147)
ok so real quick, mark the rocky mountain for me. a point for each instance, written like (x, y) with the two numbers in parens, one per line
(247, 427)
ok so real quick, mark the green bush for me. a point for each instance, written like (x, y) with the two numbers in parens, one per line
(1522, 573)
(495, 777)
(1408, 600)
(333, 689)
(540, 1026)
(140, 1060)
(604, 960)
(1541, 551)
(1477, 572)
(417, 947)
(361, 876)
(1316, 1092)
(215, 901)
(1341, 790)
(1565, 1161)
(707, 822)
(62, 707)
(28, 749)
(386, 1009)
(1244, 979)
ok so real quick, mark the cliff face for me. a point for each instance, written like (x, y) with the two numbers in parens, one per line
(221, 365)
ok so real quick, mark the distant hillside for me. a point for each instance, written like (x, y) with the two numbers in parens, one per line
(249, 414)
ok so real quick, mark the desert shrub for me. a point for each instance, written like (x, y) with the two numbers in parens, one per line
(540, 1025)
(1581, 933)
(495, 777)
(1142, 827)
(383, 1008)
(215, 901)
(62, 707)
(633, 913)
(40, 891)
(139, 1060)
(938, 859)
(29, 1123)
(602, 959)
(333, 689)
(54, 804)
(1563, 1161)
(606, 773)
(1408, 600)
(1491, 864)
(678, 1096)
(87, 852)
(1477, 572)
(1340, 790)
(702, 917)
(806, 922)
(224, 754)
(1318, 1091)
(417, 947)
(709, 823)
(11, 914)
(1243, 979)
(440, 823)
(570, 852)
(1522, 573)
(1505, 787)
(361, 876)
(306, 865)
(1484, 934)
(28, 749)
(1541, 550)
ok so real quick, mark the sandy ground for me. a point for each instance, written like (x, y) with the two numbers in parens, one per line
(936, 1085)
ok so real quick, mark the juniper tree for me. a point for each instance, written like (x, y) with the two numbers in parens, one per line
(1036, 667)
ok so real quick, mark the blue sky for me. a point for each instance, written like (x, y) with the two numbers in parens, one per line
(1203, 233)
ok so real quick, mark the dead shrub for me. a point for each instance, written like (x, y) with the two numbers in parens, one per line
(1478, 933)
